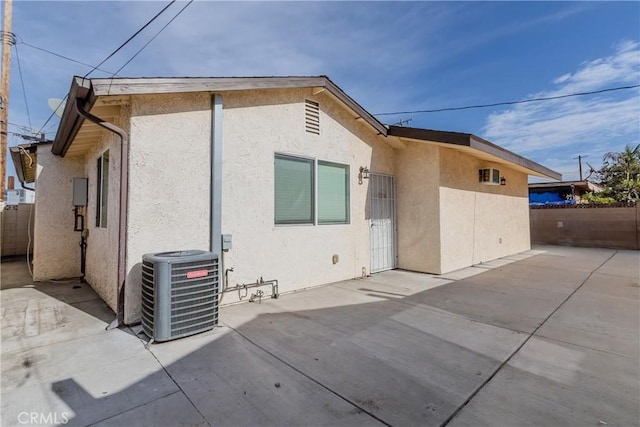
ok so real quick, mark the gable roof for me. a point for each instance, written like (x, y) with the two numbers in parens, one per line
(471, 142)
(86, 92)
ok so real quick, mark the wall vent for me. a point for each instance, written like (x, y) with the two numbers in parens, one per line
(179, 294)
(312, 117)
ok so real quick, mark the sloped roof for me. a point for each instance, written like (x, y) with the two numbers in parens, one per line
(474, 143)
(86, 91)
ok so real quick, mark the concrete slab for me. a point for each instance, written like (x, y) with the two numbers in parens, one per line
(554, 383)
(463, 273)
(66, 359)
(394, 283)
(174, 410)
(398, 347)
(32, 319)
(233, 382)
(406, 365)
(90, 395)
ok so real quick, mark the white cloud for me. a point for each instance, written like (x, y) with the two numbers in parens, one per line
(595, 123)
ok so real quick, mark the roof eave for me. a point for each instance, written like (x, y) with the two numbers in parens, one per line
(18, 154)
(477, 143)
(71, 121)
(142, 86)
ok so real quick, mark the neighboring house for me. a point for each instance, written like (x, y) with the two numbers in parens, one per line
(559, 193)
(312, 188)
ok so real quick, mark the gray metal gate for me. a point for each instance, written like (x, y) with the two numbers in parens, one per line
(382, 210)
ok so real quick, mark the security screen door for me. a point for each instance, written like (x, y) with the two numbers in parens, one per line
(382, 209)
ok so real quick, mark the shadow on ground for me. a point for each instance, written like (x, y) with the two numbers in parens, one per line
(383, 351)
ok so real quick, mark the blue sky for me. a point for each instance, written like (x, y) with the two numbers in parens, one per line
(389, 56)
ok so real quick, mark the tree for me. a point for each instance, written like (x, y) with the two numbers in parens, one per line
(620, 174)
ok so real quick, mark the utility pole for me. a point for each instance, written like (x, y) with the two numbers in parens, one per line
(579, 158)
(7, 42)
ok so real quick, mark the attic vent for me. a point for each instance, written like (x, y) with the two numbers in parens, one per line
(312, 117)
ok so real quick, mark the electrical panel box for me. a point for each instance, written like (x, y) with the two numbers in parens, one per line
(80, 187)
(226, 242)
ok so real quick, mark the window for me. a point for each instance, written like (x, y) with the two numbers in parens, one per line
(297, 200)
(489, 176)
(294, 190)
(333, 193)
(102, 190)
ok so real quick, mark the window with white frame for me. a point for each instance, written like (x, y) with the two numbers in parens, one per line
(310, 192)
(102, 190)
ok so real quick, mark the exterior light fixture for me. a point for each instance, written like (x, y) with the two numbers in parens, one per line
(503, 181)
(364, 174)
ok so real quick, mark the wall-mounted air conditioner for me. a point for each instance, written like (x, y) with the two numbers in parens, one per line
(179, 293)
(489, 176)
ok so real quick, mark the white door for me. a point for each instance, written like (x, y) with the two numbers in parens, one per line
(382, 210)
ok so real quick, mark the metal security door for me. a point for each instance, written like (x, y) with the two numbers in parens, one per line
(382, 209)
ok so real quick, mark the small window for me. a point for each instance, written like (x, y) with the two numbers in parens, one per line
(312, 117)
(102, 190)
(333, 193)
(489, 176)
(294, 201)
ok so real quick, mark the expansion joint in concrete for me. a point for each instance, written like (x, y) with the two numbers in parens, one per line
(508, 359)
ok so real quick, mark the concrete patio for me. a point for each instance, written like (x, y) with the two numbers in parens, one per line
(547, 337)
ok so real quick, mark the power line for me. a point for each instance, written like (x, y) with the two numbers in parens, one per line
(63, 57)
(547, 98)
(24, 91)
(52, 114)
(152, 38)
(113, 53)
(131, 38)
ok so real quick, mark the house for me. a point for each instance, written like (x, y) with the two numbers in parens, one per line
(559, 193)
(310, 187)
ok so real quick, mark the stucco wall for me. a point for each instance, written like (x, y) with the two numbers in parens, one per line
(103, 243)
(479, 222)
(417, 169)
(56, 250)
(169, 185)
(168, 181)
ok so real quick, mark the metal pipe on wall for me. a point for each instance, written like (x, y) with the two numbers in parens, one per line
(124, 194)
(215, 201)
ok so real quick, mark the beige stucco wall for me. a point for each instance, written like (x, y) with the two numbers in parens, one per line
(480, 222)
(417, 169)
(103, 243)
(168, 182)
(56, 250)
(169, 185)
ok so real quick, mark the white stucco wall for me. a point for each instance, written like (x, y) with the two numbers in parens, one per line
(169, 185)
(56, 249)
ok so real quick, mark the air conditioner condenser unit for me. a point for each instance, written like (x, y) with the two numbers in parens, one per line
(179, 293)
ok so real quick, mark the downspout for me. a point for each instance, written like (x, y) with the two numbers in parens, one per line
(215, 200)
(124, 181)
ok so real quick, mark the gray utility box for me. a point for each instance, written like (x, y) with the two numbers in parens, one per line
(179, 293)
